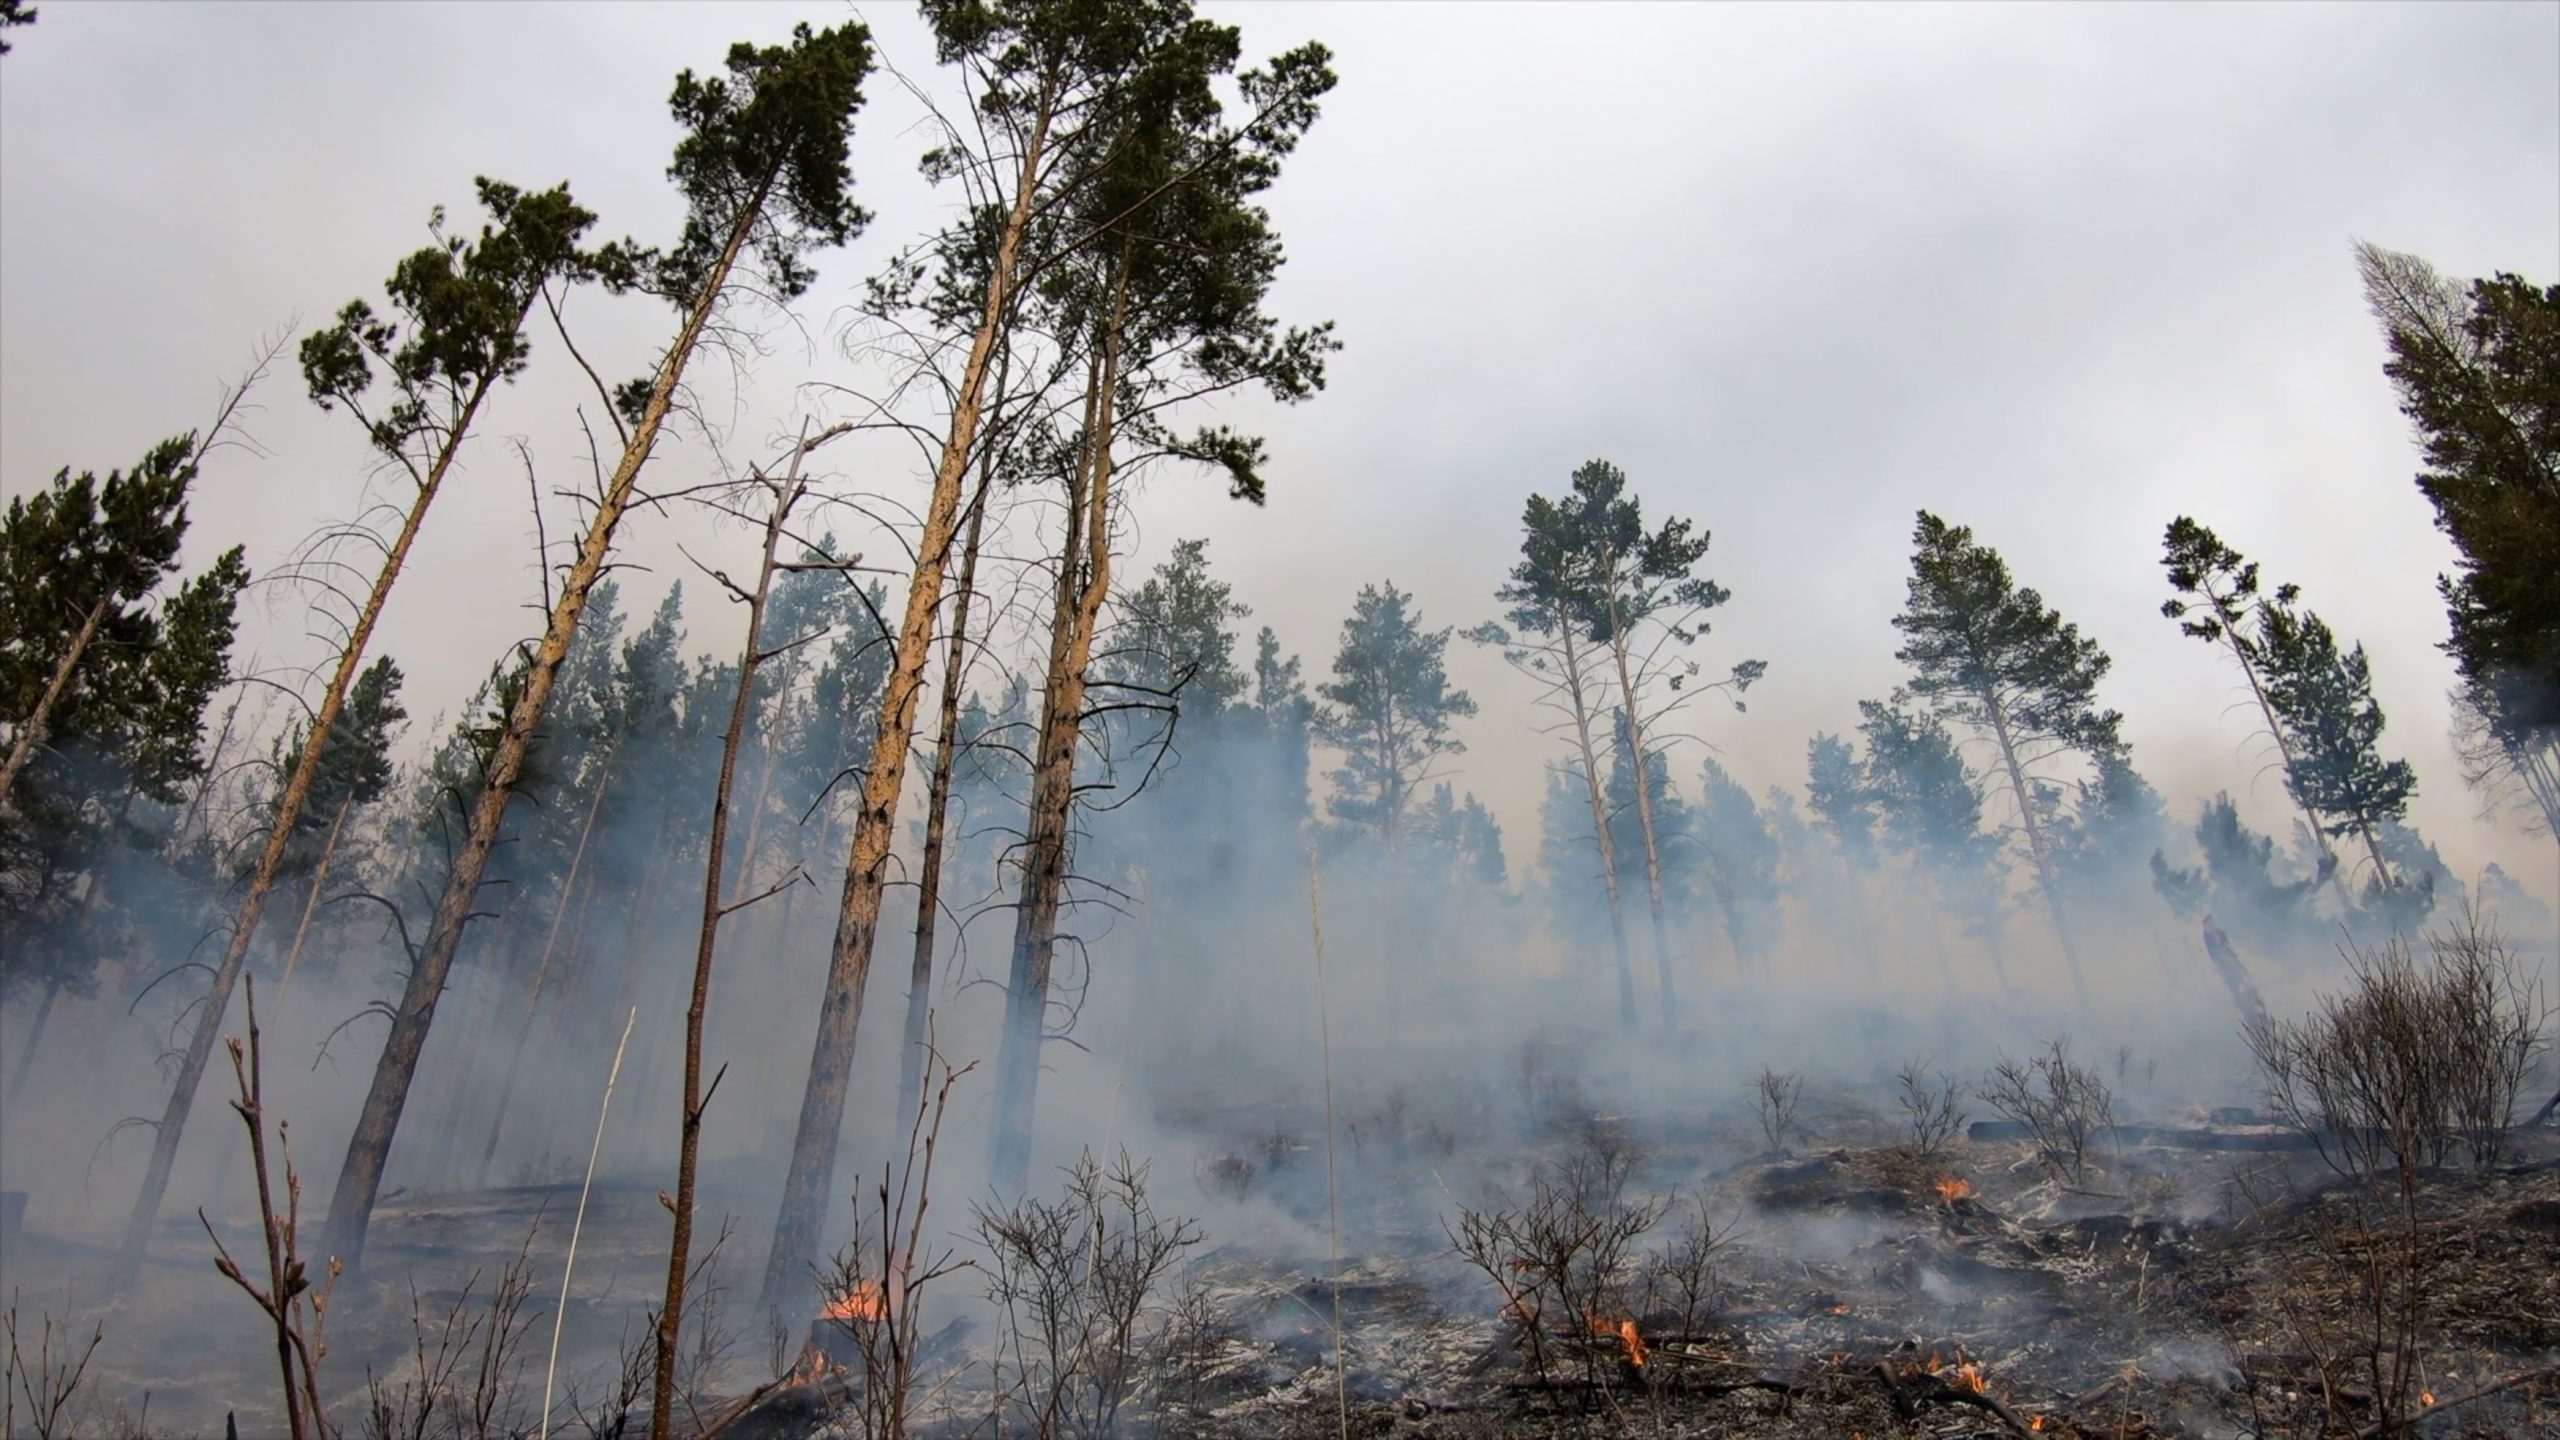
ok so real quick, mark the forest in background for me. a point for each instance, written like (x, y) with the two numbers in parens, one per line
(940, 730)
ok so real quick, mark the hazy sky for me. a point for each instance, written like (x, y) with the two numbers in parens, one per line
(2056, 272)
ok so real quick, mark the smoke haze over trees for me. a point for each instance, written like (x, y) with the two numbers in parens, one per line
(958, 587)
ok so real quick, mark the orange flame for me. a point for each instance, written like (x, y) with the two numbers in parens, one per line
(1635, 1344)
(2035, 1422)
(1969, 1377)
(2427, 1398)
(1953, 1188)
(865, 1301)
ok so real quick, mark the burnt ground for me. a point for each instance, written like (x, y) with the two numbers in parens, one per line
(1857, 1289)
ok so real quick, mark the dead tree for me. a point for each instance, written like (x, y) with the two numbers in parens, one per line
(781, 496)
(2235, 978)
(756, 168)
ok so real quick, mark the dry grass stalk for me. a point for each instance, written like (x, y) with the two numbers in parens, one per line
(578, 1225)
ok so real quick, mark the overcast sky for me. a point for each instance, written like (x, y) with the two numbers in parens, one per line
(2056, 272)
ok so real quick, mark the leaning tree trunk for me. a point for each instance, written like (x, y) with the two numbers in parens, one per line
(26, 1065)
(937, 809)
(369, 1149)
(311, 901)
(253, 903)
(31, 731)
(1081, 589)
(788, 1265)
(689, 1145)
(2037, 853)
(2284, 752)
(1644, 816)
(1600, 826)
(2235, 978)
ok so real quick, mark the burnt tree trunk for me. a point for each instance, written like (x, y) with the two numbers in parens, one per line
(1083, 583)
(689, 1144)
(813, 1147)
(369, 1149)
(2235, 977)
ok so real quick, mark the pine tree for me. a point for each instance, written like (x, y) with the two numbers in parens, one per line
(1929, 806)
(1389, 710)
(76, 562)
(764, 174)
(1837, 792)
(2477, 366)
(1742, 865)
(1644, 595)
(2239, 881)
(2218, 601)
(1553, 637)
(461, 307)
(1160, 324)
(2324, 699)
(1991, 656)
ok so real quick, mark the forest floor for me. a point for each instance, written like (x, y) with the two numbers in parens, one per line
(1854, 1289)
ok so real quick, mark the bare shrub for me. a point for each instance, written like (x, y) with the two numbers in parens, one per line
(48, 1380)
(1564, 1259)
(298, 1314)
(1932, 1106)
(1775, 1093)
(2411, 1061)
(464, 1367)
(1195, 1333)
(613, 1413)
(1075, 1280)
(1680, 1278)
(2064, 1106)
(876, 1299)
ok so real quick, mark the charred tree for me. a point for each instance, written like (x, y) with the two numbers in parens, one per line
(781, 496)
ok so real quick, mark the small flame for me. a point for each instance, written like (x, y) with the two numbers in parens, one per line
(1953, 1188)
(2427, 1398)
(1969, 1377)
(1839, 1309)
(2035, 1422)
(1635, 1344)
(865, 1301)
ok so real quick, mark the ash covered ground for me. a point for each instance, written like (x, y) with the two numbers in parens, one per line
(1574, 1251)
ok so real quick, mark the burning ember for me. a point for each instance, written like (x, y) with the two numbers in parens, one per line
(2427, 1398)
(1952, 1189)
(1627, 1335)
(1968, 1376)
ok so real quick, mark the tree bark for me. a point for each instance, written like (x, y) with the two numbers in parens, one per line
(31, 731)
(788, 1274)
(369, 1149)
(2036, 851)
(938, 806)
(253, 903)
(1599, 821)
(1644, 808)
(689, 1145)
(2235, 977)
(1081, 590)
